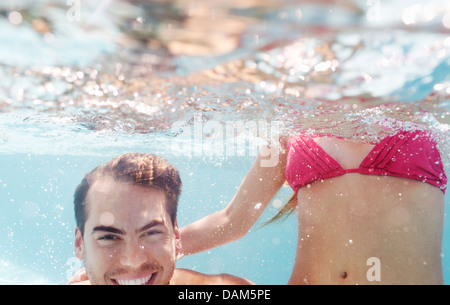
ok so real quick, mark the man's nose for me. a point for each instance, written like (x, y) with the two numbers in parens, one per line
(134, 255)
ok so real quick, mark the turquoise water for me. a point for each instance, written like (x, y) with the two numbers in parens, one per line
(82, 83)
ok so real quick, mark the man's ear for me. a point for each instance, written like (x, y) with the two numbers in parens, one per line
(79, 244)
(178, 247)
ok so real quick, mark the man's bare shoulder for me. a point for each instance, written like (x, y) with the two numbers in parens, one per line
(190, 277)
(80, 278)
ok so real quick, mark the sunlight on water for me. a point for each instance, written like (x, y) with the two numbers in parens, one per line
(128, 87)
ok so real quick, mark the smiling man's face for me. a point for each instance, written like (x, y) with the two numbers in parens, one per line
(128, 237)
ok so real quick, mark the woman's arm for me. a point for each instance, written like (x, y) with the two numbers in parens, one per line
(259, 186)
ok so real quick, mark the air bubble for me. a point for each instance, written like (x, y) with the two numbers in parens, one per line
(107, 219)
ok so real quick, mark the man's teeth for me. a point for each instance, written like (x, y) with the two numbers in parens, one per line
(141, 281)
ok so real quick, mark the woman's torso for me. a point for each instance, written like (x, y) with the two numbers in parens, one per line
(367, 229)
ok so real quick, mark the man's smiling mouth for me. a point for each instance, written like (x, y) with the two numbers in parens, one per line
(146, 280)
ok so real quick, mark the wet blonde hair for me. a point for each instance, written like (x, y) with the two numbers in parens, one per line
(286, 210)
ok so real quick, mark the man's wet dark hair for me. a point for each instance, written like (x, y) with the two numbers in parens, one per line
(141, 169)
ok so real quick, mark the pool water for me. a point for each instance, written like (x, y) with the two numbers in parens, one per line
(201, 84)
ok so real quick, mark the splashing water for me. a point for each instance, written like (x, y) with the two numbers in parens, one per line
(136, 79)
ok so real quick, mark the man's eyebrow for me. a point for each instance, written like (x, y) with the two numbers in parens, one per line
(107, 229)
(152, 224)
(114, 230)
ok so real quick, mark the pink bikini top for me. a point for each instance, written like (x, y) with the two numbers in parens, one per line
(407, 154)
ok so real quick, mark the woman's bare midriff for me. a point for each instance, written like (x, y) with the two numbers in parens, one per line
(360, 229)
